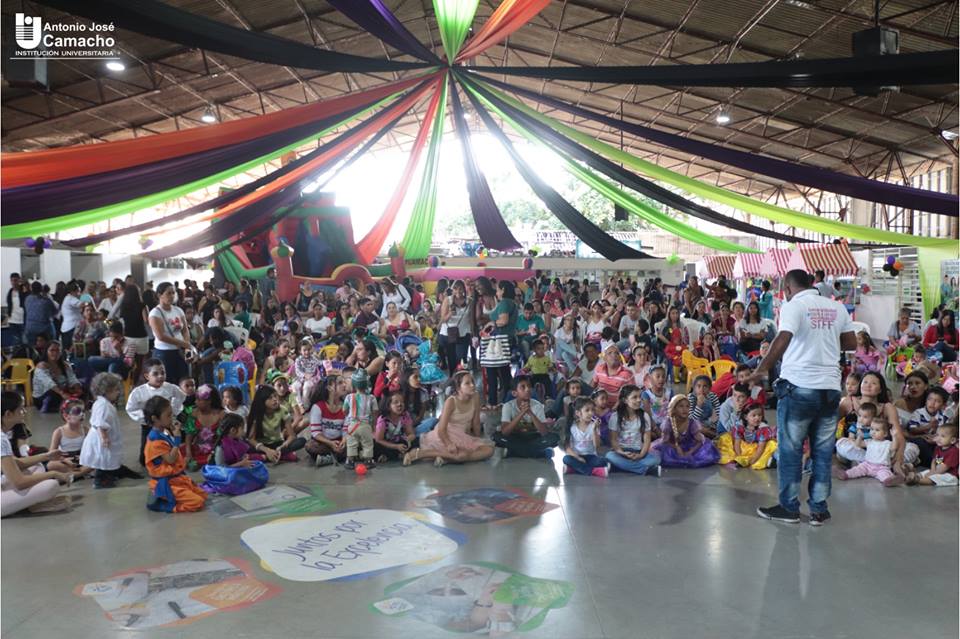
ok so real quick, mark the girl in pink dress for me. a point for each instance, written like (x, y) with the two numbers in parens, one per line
(867, 358)
(458, 435)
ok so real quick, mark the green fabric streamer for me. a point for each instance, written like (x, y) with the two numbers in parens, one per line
(749, 205)
(624, 199)
(929, 260)
(454, 18)
(419, 234)
(82, 218)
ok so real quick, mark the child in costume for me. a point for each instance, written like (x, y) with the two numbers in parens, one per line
(358, 423)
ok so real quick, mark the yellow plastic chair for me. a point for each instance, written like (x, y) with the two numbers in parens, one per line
(21, 374)
(253, 381)
(693, 366)
(717, 368)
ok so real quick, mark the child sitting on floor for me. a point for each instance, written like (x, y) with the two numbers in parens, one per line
(704, 405)
(394, 434)
(657, 396)
(753, 444)
(68, 439)
(946, 458)
(730, 411)
(523, 432)
(233, 402)
(876, 462)
(171, 490)
(631, 436)
(583, 441)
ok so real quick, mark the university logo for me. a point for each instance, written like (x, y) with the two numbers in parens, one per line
(29, 30)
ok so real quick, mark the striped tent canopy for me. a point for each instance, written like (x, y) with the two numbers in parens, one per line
(713, 266)
(774, 263)
(832, 259)
(747, 265)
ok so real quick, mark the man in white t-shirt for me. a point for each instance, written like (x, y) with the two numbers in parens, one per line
(813, 330)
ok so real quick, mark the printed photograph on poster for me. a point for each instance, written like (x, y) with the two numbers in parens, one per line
(352, 544)
(480, 598)
(276, 499)
(484, 505)
(176, 594)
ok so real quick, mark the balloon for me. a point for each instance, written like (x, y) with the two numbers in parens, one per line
(865, 288)
(891, 259)
(898, 265)
(30, 242)
(674, 259)
(360, 469)
(887, 268)
(894, 272)
(434, 261)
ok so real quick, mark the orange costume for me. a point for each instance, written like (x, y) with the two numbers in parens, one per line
(171, 491)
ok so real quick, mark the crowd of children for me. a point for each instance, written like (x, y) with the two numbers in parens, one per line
(362, 397)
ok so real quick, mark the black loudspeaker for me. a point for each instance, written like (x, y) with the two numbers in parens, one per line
(875, 41)
(619, 213)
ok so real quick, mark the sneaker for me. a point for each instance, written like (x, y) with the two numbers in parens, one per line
(349, 464)
(779, 513)
(125, 472)
(819, 519)
(499, 452)
(603, 471)
(548, 454)
(104, 483)
(839, 473)
(369, 463)
(289, 456)
(568, 470)
(324, 460)
(657, 470)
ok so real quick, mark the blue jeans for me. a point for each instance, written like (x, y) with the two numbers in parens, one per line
(426, 425)
(586, 466)
(113, 365)
(803, 413)
(640, 466)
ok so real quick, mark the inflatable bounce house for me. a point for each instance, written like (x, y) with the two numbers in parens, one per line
(313, 243)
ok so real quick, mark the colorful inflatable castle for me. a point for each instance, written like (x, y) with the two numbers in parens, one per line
(313, 243)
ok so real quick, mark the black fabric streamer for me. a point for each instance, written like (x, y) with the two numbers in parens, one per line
(573, 219)
(487, 217)
(934, 67)
(226, 198)
(855, 186)
(628, 179)
(158, 20)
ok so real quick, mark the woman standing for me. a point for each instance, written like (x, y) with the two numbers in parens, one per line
(70, 312)
(38, 313)
(133, 313)
(171, 336)
(393, 292)
(483, 301)
(455, 334)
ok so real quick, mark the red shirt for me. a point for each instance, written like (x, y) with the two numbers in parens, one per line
(949, 456)
(930, 337)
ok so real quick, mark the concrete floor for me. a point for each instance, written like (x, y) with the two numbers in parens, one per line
(682, 556)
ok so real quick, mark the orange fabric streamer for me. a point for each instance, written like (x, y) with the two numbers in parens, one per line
(372, 242)
(33, 167)
(293, 176)
(507, 18)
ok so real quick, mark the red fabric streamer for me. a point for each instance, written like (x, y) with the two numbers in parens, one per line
(507, 18)
(386, 116)
(372, 242)
(21, 169)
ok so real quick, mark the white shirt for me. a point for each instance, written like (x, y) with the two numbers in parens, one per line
(319, 326)
(16, 310)
(6, 450)
(140, 395)
(106, 304)
(878, 452)
(812, 360)
(70, 310)
(174, 321)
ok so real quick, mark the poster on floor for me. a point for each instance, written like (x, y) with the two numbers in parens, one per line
(275, 499)
(484, 505)
(348, 545)
(480, 598)
(178, 593)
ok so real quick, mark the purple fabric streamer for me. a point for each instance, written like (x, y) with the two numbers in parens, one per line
(51, 199)
(487, 217)
(222, 199)
(374, 17)
(855, 186)
(241, 220)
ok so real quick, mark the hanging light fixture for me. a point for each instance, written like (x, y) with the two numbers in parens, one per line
(723, 116)
(115, 65)
(208, 116)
